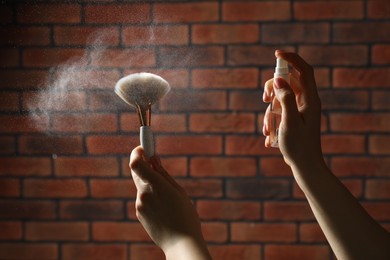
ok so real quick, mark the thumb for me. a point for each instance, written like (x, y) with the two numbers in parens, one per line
(286, 97)
(139, 166)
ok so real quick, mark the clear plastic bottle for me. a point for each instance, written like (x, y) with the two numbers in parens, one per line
(281, 71)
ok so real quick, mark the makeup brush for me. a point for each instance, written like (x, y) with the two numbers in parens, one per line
(142, 90)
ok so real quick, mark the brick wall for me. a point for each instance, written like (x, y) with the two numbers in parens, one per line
(65, 138)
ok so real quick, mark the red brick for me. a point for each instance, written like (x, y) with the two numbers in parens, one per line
(274, 167)
(311, 233)
(380, 54)
(177, 78)
(10, 230)
(185, 12)
(86, 35)
(82, 123)
(320, 10)
(22, 79)
(93, 251)
(9, 188)
(9, 57)
(49, 13)
(250, 188)
(92, 210)
(287, 211)
(156, 35)
(57, 231)
(123, 58)
(222, 123)
(368, 32)
(378, 9)
(254, 55)
(119, 232)
(361, 166)
(27, 209)
(180, 145)
(112, 188)
(360, 123)
(379, 144)
(45, 58)
(377, 189)
(9, 101)
(23, 124)
(380, 100)
(246, 101)
(54, 188)
(277, 33)
(111, 144)
(39, 144)
(24, 251)
(215, 232)
(117, 13)
(256, 11)
(131, 211)
(82, 167)
(233, 252)
(247, 145)
(224, 210)
(51, 100)
(343, 144)
(344, 100)
(223, 166)
(176, 166)
(264, 232)
(225, 78)
(194, 101)
(25, 166)
(296, 252)
(335, 55)
(7, 145)
(25, 36)
(225, 33)
(203, 188)
(378, 210)
(193, 56)
(145, 251)
(161, 123)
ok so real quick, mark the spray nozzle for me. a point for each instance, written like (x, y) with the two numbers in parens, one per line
(281, 66)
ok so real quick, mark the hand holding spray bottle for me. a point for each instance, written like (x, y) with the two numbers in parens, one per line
(281, 71)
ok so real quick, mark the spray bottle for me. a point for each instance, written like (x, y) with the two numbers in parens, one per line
(281, 71)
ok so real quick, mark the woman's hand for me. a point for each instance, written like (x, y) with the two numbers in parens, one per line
(165, 211)
(299, 130)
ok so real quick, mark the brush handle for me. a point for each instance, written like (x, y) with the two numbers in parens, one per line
(147, 141)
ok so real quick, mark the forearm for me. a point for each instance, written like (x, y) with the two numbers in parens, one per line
(188, 249)
(350, 230)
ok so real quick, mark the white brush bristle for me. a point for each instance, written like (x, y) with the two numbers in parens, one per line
(142, 89)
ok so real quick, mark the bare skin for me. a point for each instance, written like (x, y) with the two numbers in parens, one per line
(165, 210)
(170, 219)
(349, 229)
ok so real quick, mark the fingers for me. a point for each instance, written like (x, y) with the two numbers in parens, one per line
(306, 72)
(139, 166)
(156, 163)
(267, 121)
(286, 97)
(268, 89)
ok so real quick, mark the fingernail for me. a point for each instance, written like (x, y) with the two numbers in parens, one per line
(279, 83)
